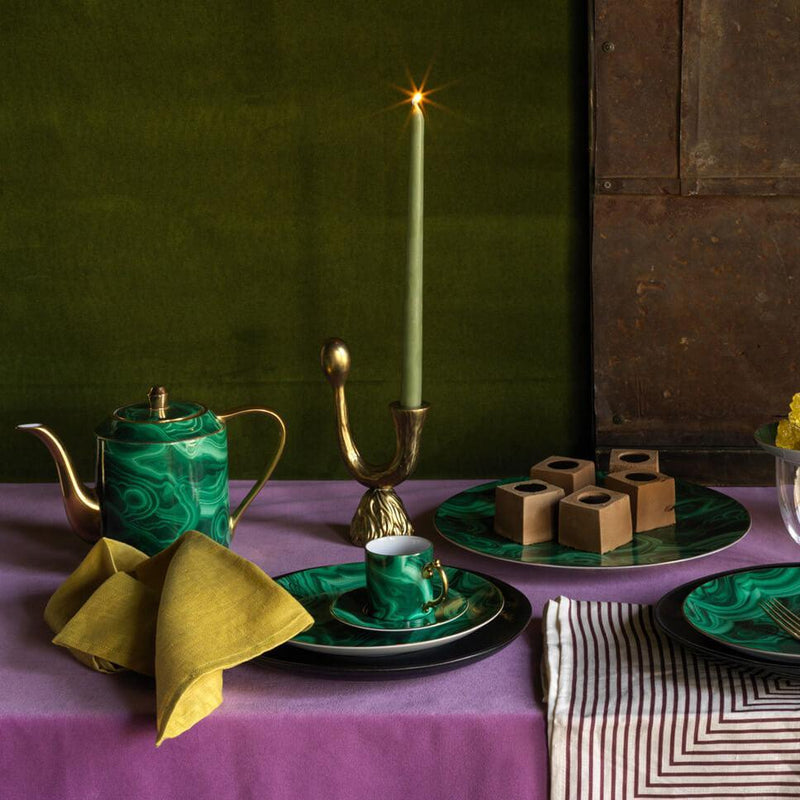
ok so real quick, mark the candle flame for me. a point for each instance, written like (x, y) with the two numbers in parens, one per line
(418, 96)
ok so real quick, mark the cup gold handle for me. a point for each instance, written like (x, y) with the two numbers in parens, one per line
(270, 468)
(427, 572)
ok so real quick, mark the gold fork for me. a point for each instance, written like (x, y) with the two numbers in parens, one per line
(783, 617)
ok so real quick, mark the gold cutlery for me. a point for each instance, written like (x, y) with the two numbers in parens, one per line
(783, 617)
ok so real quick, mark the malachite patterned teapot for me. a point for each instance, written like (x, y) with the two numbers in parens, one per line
(162, 470)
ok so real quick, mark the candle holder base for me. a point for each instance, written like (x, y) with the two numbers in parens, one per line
(381, 512)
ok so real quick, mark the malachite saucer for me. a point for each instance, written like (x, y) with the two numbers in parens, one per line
(706, 522)
(727, 609)
(353, 608)
(318, 587)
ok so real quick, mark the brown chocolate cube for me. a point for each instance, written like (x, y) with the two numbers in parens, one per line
(570, 474)
(652, 497)
(595, 519)
(643, 460)
(527, 512)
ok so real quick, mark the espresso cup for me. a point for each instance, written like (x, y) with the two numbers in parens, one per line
(400, 571)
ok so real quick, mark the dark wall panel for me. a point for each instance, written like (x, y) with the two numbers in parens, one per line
(695, 249)
(636, 55)
(692, 312)
(739, 110)
(197, 194)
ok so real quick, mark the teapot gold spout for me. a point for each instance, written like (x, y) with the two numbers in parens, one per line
(161, 470)
(80, 502)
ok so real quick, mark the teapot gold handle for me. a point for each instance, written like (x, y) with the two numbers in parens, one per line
(259, 484)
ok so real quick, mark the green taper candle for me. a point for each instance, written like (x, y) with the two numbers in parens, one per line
(411, 393)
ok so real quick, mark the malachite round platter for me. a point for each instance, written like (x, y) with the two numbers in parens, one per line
(317, 588)
(727, 608)
(706, 521)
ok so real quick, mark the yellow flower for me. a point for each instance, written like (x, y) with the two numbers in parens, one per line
(788, 434)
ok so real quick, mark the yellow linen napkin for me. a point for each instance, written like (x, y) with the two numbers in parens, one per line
(183, 616)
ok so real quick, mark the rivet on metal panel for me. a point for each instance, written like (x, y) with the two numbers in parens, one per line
(607, 184)
(608, 47)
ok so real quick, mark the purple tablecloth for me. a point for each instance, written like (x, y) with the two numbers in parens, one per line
(475, 732)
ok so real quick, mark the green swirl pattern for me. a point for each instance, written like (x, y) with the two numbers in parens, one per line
(135, 423)
(727, 609)
(396, 585)
(317, 588)
(152, 493)
(354, 608)
(706, 521)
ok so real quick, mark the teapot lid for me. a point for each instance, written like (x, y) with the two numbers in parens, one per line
(159, 421)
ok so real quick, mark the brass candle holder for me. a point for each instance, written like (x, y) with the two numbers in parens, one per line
(381, 512)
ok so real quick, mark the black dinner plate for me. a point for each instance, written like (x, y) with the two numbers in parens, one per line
(494, 636)
(671, 620)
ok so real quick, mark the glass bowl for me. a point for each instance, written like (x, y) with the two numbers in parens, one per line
(787, 478)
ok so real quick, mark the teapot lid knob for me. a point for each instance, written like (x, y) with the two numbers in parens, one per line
(158, 402)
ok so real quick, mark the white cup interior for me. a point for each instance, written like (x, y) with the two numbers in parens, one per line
(398, 545)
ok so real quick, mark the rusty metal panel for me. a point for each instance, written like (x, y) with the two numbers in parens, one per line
(696, 228)
(743, 186)
(720, 466)
(635, 54)
(695, 302)
(661, 185)
(740, 114)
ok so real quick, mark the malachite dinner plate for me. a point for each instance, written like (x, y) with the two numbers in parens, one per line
(706, 522)
(352, 608)
(671, 620)
(726, 609)
(317, 588)
(484, 642)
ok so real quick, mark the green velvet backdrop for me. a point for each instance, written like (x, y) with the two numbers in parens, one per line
(199, 193)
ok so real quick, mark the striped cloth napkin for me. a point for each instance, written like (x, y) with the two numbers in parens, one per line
(632, 715)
